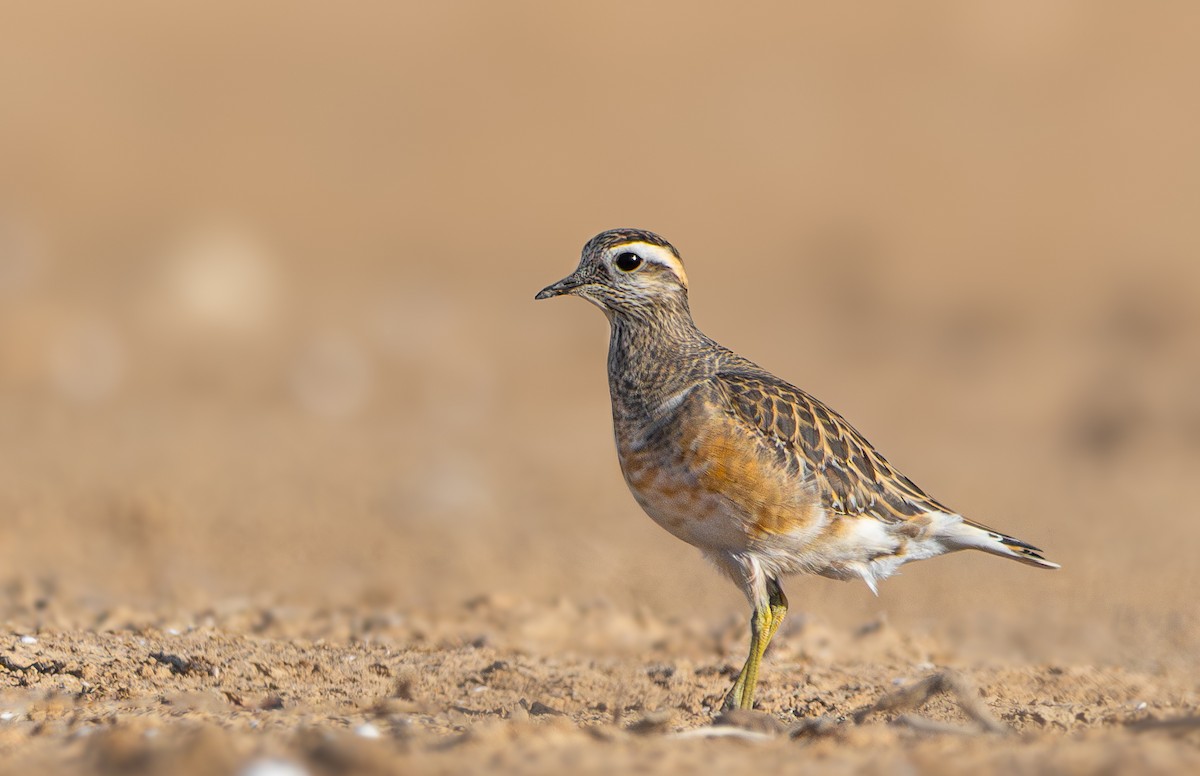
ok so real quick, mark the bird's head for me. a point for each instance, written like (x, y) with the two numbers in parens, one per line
(626, 272)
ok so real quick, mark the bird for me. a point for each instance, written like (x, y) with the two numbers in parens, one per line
(763, 478)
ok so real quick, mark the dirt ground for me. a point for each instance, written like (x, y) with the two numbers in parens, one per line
(296, 478)
(512, 686)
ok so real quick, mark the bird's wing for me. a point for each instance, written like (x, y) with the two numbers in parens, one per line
(821, 447)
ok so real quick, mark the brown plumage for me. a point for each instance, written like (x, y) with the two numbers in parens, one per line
(762, 477)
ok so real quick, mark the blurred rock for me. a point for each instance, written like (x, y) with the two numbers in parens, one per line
(269, 766)
(652, 723)
(217, 280)
(748, 719)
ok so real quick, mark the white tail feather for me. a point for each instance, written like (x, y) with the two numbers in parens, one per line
(962, 534)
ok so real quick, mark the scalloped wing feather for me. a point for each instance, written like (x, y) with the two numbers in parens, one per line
(818, 444)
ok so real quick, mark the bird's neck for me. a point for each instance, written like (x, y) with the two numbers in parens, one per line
(652, 357)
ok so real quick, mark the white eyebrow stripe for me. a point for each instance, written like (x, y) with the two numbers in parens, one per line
(656, 254)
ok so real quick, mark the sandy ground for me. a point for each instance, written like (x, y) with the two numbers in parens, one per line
(510, 686)
(295, 477)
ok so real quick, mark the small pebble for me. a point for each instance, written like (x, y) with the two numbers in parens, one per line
(272, 767)
(367, 730)
(651, 723)
(5, 716)
(537, 709)
(753, 721)
(28, 640)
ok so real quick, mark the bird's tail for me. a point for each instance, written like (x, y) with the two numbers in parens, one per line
(967, 535)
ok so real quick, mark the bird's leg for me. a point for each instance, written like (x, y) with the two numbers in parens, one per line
(764, 622)
(741, 695)
(779, 606)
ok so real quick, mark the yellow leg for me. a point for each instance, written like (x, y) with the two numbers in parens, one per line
(779, 606)
(764, 623)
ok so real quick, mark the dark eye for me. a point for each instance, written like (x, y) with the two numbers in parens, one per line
(628, 262)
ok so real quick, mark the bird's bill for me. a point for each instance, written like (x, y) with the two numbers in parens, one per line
(565, 286)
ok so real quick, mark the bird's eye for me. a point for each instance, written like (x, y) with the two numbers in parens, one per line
(628, 262)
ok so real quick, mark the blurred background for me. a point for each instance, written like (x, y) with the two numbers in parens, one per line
(266, 280)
